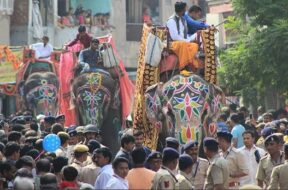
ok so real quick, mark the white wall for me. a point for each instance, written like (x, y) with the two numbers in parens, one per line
(5, 29)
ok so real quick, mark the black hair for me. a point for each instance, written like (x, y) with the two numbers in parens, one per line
(34, 153)
(30, 133)
(118, 160)
(43, 165)
(24, 161)
(194, 8)
(82, 29)
(56, 128)
(223, 116)
(249, 132)
(18, 127)
(34, 126)
(212, 148)
(233, 107)
(11, 148)
(137, 133)
(14, 136)
(24, 149)
(180, 6)
(93, 145)
(69, 173)
(184, 165)
(48, 178)
(235, 118)
(63, 139)
(46, 38)
(138, 155)
(106, 152)
(281, 111)
(6, 166)
(24, 172)
(2, 147)
(125, 139)
(59, 162)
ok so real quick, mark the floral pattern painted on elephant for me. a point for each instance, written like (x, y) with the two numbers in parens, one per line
(187, 102)
(185, 106)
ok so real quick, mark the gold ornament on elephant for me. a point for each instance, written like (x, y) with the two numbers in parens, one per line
(147, 75)
(209, 49)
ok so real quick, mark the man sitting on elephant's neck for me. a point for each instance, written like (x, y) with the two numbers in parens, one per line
(90, 59)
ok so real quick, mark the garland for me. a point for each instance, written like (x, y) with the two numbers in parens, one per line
(10, 56)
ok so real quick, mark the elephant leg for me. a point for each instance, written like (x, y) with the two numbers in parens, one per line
(110, 131)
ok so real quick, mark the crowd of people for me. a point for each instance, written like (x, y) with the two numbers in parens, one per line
(245, 153)
(84, 17)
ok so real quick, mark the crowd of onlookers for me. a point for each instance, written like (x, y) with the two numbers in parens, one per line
(84, 17)
(250, 152)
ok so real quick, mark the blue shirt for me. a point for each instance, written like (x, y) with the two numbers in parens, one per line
(237, 132)
(194, 25)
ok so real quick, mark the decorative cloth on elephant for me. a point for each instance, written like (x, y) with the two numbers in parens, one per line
(127, 88)
(186, 53)
(154, 48)
(67, 62)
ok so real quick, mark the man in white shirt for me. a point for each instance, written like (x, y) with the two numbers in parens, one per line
(103, 157)
(121, 169)
(177, 24)
(253, 154)
(43, 49)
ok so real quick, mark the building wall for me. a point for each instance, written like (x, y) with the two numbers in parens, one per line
(5, 29)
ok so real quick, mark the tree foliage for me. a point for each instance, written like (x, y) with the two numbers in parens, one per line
(259, 59)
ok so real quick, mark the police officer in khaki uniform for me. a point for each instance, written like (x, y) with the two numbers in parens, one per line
(80, 155)
(280, 174)
(185, 169)
(165, 178)
(90, 172)
(274, 158)
(218, 172)
(236, 160)
(200, 165)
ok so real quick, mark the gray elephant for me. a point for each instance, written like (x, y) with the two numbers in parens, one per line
(96, 95)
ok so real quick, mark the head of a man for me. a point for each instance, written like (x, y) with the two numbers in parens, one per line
(185, 163)
(267, 117)
(195, 12)
(45, 40)
(170, 158)
(180, 8)
(273, 144)
(248, 138)
(191, 148)
(139, 138)
(210, 147)
(120, 167)
(138, 156)
(82, 30)
(154, 161)
(81, 152)
(224, 140)
(95, 44)
(127, 142)
(102, 156)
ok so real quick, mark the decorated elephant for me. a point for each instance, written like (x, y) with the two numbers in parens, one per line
(186, 107)
(96, 95)
(40, 93)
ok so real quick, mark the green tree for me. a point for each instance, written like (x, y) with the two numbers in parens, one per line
(259, 59)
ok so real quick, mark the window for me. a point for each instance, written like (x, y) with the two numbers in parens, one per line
(138, 11)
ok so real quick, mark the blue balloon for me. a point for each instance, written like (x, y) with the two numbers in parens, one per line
(51, 143)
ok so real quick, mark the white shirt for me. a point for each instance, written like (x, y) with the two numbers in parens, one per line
(117, 182)
(42, 52)
(172, 26)
(104, 176)
(251, 163)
